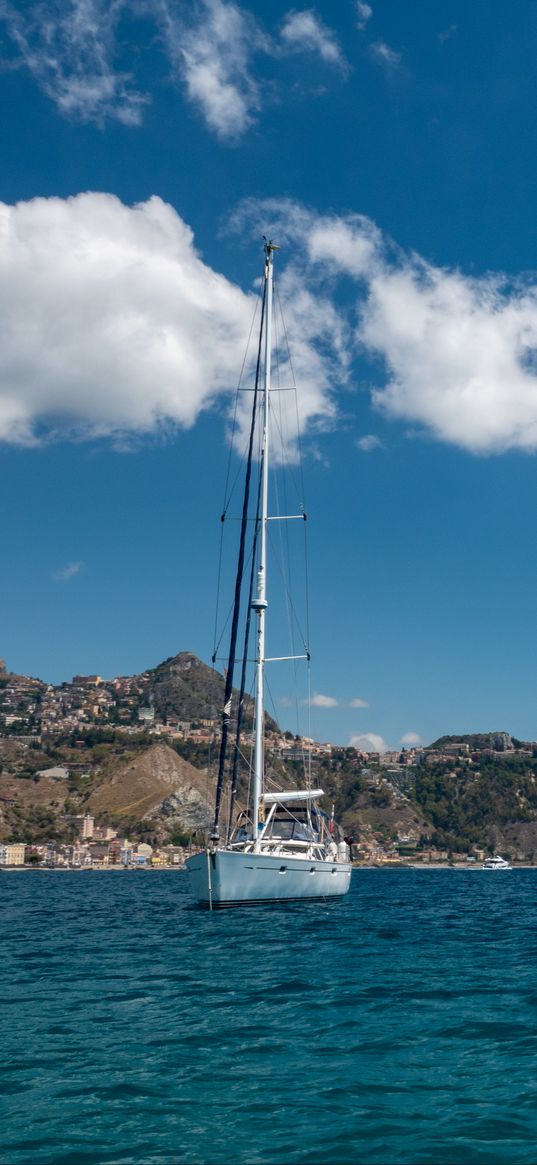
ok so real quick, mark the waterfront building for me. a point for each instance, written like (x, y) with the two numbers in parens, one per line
(12, 854)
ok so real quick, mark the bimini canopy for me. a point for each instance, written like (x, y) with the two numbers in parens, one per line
(288, 795)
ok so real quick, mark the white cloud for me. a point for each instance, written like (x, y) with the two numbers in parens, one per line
(70, 49)
(213, 57)
(111, 323)
(74, 49)
(66, 573)
(364, 13)
(387, 57)
(350, 244)
(319, 701)
(459, 352)
(304, 31)
(411, 738)
(368, 742)
(368, 443)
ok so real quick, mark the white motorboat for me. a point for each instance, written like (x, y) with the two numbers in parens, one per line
(495, 863)
(283, 847)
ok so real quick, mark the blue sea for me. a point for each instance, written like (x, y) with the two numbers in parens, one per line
(396, 1026)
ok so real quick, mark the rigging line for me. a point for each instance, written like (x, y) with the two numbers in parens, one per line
(285, 557)
(308, 786)
(227, 497)
(240, 709)
(285, 569)
(243, 757)
(248, 762)
(272, 703)
(242, 462)
(286, 462)
(298, 430)
(286, 552)
(300, 466)
(283, 427)
(216, 644)
(298, 483)
(226, 622)
(288, 596)
(285, 459)
(306, 581)
(226, 710)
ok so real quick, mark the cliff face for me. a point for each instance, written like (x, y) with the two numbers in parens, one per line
(156, 783)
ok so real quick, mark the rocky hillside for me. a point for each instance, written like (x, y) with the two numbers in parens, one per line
(135, 751)
(183, 686)
(181, 689)
(155, 783)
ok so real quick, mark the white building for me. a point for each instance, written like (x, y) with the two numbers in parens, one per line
(12, 854)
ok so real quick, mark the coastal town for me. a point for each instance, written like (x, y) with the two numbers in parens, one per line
(39, 718)
(93, 847)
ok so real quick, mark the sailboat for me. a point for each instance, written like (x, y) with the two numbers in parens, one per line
(283, 847)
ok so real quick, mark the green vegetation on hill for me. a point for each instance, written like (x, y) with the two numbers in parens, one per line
(466, 802)
(482, 791)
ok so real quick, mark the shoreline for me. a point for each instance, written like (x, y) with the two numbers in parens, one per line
(437, 866)
(88, 869)
(118, 869)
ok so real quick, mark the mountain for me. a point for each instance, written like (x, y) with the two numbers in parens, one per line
(181, 689)
(135, 752)
(156, 782)
(185, 687)
(476, 741)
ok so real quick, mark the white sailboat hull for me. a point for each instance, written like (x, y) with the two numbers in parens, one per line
(235, 878)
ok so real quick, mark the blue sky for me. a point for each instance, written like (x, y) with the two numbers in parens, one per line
(147, 145)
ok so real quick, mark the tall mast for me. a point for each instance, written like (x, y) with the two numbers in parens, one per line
(259, 603)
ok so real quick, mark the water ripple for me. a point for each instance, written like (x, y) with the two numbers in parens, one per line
(394, 1028)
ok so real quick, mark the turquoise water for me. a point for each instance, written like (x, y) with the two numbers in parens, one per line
(398, 1026)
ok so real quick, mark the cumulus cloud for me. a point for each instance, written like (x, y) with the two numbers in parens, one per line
(460, 357)
(70, 51)
(459, 352)
(368, 742)
(368, 443)
(410, 739)
(319, 701)
(304, 31)
(331, 701)
(349, 244)
(66, 573)
(364, 13)
(112, 324)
